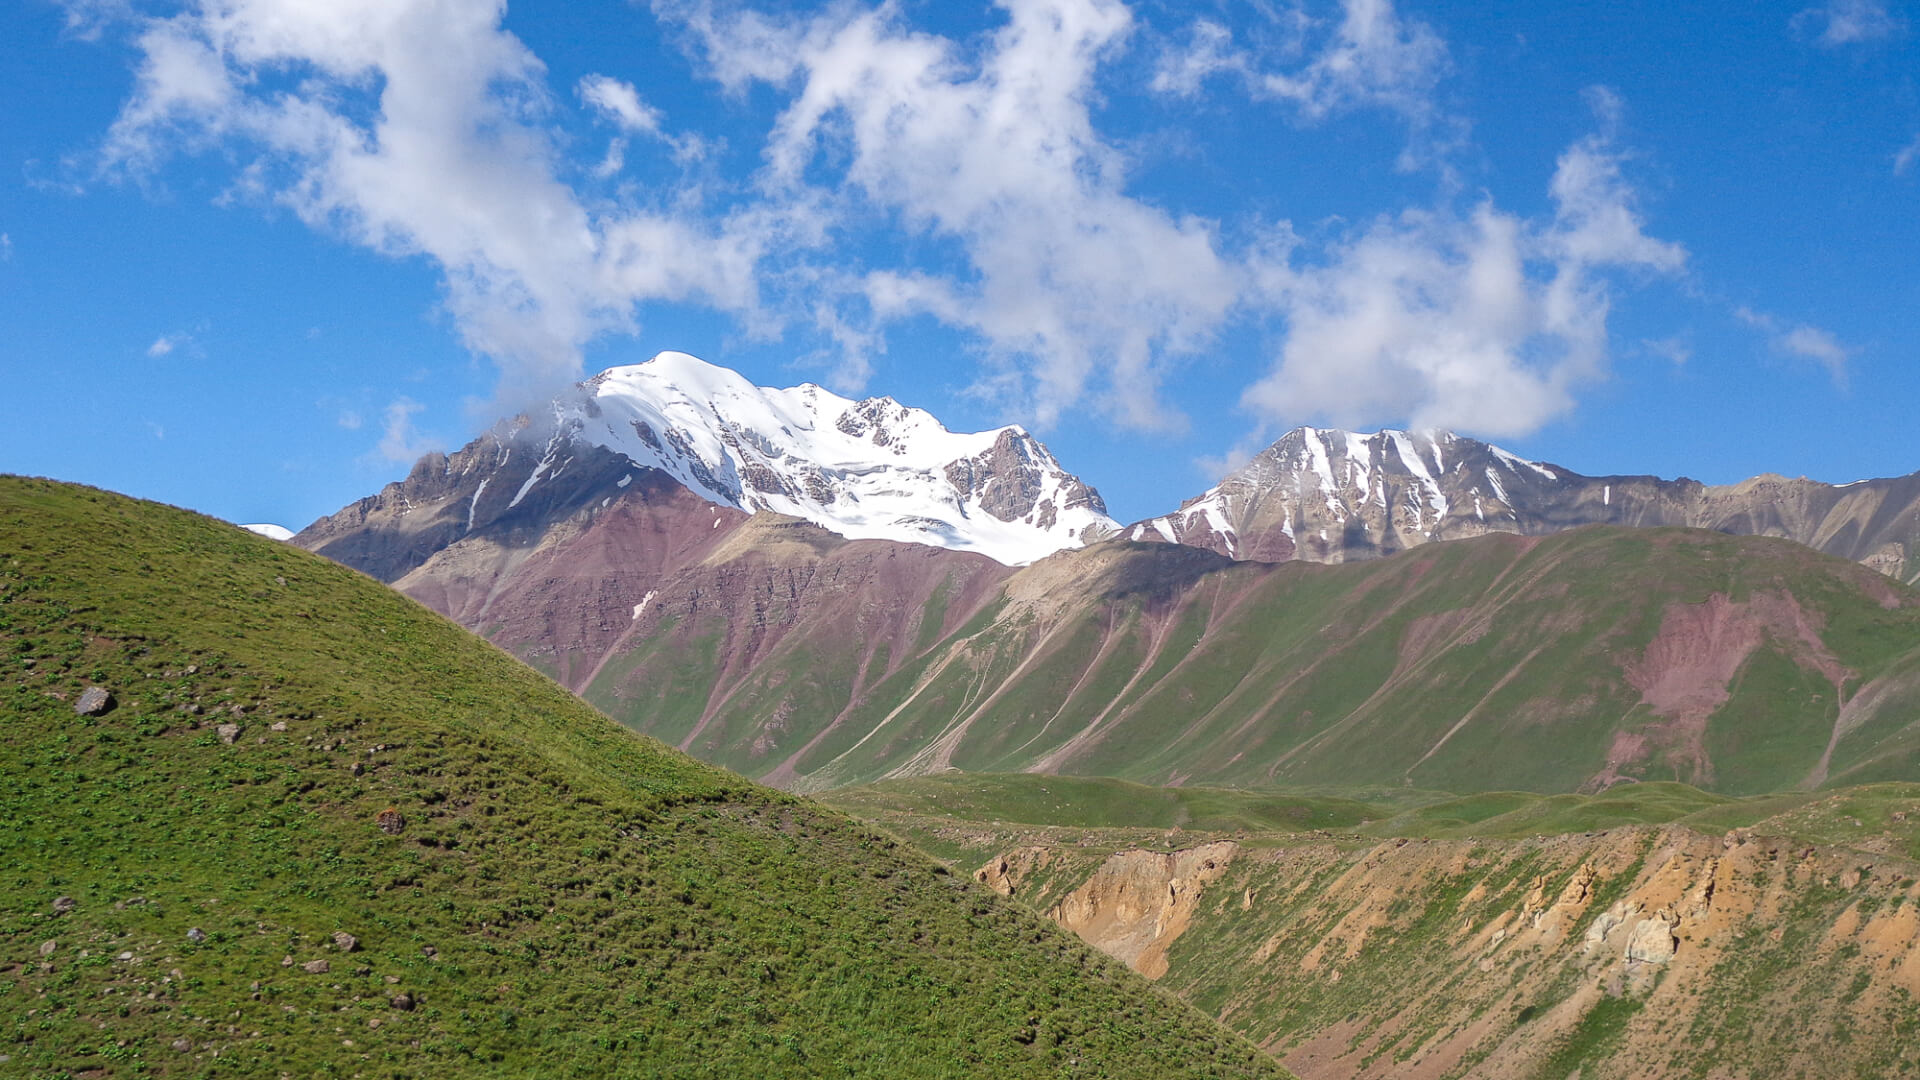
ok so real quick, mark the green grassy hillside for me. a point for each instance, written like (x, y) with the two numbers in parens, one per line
(296, 752)
(1737, 665)
(966, 818)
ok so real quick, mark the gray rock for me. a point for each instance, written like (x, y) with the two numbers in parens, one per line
(228, 733)
(344, 941)
(182, 1045)
(196, 935)
(316, 967)
(47, 947)
(94, 700)
(1652, 940)
(62, 904)
(403, 1002)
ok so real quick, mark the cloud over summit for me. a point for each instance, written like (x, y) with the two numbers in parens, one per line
(909, 175)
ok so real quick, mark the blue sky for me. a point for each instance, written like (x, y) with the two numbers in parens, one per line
(255, 255)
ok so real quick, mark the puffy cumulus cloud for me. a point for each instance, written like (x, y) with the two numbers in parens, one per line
(1801, 341)
(1482, 322)
(1848, 22)
(1365, 55)
(421, 128)
(1075, 287)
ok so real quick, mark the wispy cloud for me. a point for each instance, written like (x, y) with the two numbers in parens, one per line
(1366, 56)
(1075, 287)
(1676, 349)
(400, 442)
(6, 247)
(419, 129)
(1903, 161)
(454, 161)
(1848, 22)
(166, 344)
(1802, 341)
(1483, 321)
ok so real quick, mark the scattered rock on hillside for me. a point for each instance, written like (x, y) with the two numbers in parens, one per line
(62, 904)
(47, 947)
(390, 821)
(316, 967)
(196, 935)
(228, 733)
(94, 700)
(344, 941)
(403, 1002)
(182, 1045)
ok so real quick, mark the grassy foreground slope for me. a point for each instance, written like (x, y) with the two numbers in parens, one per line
(550, 894)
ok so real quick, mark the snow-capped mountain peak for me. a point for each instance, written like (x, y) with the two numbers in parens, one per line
(1328, 495)
(870, 469)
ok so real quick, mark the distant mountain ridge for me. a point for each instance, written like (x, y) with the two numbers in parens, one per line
(632, 547)
(1337, 496)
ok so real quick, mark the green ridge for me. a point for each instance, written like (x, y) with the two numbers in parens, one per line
(563, 898)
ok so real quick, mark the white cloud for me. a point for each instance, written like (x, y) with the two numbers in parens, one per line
(399, 442)
(349, 419)
(1369, 56)
(414, 127)
(1484, 322)
(1676, 349)
(1848, 22)
(1075, 287)
(621, 103)
(6, 247)
(1802, 341)
(165, 344)
(1903, 161)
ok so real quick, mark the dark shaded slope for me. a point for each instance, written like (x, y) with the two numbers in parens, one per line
(551, 895)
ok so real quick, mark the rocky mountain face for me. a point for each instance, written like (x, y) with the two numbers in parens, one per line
(719, 565)
(872, 469)
(1337, 496)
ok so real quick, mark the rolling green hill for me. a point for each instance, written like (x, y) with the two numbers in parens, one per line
(1738, 665)
(296, 753)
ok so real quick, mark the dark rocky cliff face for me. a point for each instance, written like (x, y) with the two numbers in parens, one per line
(482, 489)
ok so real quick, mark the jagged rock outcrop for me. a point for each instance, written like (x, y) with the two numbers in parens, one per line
(1138, 902)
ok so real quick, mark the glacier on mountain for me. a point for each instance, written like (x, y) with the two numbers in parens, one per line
(867, 470)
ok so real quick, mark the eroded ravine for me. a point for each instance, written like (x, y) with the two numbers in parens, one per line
(1626, 953)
